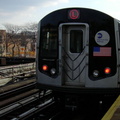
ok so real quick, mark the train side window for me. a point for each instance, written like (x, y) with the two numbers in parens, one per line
(76, 41)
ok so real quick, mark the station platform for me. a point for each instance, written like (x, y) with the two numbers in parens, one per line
(114, 112)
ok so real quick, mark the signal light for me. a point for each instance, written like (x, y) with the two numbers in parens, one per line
(74, 14)
(45, 67)
(107, 70)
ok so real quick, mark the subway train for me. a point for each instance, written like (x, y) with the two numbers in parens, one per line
(78, 51)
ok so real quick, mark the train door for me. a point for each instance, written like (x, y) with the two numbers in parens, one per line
(73, 47)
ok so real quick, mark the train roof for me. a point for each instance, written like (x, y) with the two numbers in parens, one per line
(83, 15)
(80, 10)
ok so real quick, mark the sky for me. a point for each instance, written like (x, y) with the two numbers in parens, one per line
(20, 12)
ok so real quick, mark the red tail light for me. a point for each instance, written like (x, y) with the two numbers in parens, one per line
(107, 70)
(45, 67)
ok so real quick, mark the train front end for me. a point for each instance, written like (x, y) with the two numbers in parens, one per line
(77, 51)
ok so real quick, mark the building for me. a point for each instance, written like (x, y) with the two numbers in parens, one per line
(16, 44)
(2, 40)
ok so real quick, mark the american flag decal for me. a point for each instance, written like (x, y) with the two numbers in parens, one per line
(102, 51)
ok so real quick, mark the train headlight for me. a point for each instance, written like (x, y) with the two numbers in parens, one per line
(95, 73)
(44, 67)
(53, 71)
(107, 70)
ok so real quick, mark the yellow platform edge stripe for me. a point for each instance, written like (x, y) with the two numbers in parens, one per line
(112, 109)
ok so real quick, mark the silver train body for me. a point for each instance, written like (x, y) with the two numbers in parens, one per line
(78, 50)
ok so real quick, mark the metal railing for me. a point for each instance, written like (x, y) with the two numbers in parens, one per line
(16, 71)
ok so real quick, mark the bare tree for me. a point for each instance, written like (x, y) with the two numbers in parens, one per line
(20, 36)
(12, 41)
(12, 28)
(30, 27)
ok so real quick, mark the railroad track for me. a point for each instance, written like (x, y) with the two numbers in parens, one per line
(21, 98)
(27, 107)
(21, 101)
(44, 107)
(13, 90)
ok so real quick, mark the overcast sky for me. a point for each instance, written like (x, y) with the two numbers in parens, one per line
(20, 12)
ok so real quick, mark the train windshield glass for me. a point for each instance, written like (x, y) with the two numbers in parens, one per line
(48, 43)
(76, 41)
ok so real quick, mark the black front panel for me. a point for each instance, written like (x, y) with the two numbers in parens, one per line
(48, 57)
(102, 50)
(51, 64)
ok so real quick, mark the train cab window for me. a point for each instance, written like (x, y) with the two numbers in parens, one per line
(76, 41)
(48, 43)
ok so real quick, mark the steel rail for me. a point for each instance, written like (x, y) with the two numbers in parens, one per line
(36, 97)
(34, 110)
(16, 90)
